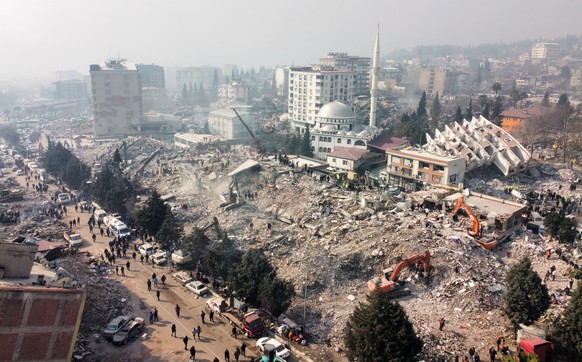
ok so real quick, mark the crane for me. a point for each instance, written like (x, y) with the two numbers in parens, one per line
(143, 165)
(257, 143)
(487, 243)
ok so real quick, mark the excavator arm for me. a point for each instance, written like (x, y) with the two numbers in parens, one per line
(424, 258)
(250, 131)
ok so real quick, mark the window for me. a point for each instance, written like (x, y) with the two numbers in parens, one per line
(408, 162)
(395, 159)
(349, 142)
(359, 143)
(313, 138)
(423, 164)
(344, 162)
(339, 140)
(438, 168)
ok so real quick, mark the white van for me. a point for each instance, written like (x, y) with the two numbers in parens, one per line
(64, 198)
(99, 215)
(118, 228)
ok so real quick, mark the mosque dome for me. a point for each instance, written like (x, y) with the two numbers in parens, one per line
(336, 110)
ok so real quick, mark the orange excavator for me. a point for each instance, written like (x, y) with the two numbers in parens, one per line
(487, 242)
(390, 284)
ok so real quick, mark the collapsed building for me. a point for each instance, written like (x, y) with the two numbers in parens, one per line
(480, 143)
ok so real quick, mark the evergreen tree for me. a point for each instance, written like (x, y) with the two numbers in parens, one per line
(249, 274)
(222, 258)
(152, 215)
(306, 149)
(170, 232)
(436, 110)
(10, 135)
(469, 115)
(379, 331)
(294, 145)
(497, 110)
(185, 95)
(527, 298)
(421, 110)
(458, 115)
(568, 327)
(496, 87)
(116, 158)
(276, 294)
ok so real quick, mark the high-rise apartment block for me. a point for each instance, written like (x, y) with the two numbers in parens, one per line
(359, 65)
(312, 87)
(70, 89)
(194, 76)
(117, 98)
(545, 51)
(152, 75)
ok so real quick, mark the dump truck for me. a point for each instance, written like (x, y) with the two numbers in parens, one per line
(249, 323)
(539, 347)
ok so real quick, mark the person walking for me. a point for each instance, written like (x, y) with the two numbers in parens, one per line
(127, 265)
(141, 258)
(122, 270)
(156, 282)
(202, 315)
(211, 315)
(185, 340)
(226, 355)
(156, 315)
(233, 331)
(192, 353)
(173, 330)
(163, 279)
(243, 349)
(237, 354)
(149, 285)
(194, 331)
(134, 255)
(492, 354)
(151, 317)
(116, 270)
(158, 294)
(198, 331)
(178, 310)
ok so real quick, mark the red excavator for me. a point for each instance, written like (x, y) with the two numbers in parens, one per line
(390, 284)
(487, 242)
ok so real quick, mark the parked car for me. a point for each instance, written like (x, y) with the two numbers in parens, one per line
(146, 249)
(159, 258)
(115, 326)
(129, 332)
(267, 344)
(183, 277)
(198, 288)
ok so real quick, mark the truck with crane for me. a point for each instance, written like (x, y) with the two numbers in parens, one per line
(476, 233)
(389, 281)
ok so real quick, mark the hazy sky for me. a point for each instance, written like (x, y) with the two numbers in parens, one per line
(38, 37)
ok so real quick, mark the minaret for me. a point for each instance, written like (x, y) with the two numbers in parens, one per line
(374, 81)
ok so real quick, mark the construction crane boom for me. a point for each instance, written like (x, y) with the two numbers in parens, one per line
(257, 143)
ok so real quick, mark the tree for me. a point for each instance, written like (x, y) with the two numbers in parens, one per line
(10, 135)
(250, 272)
(522, 281)
(306, 149)
(497, 110)
(458, 117)
(421, 114)
(116, 158)
(469, 115)
(379, 330)
(496, 87)
(567, 329)
(276, 294)
(152, 215)
(170, 232)
(222, 258)
(436, 111)
(486, 111)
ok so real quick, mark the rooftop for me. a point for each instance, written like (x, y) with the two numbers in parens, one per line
(335, 109)
(386, 142)
(529, 112)
(352, 154)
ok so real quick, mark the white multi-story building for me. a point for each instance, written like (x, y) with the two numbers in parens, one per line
(117, 98)
(312, 87)
(282, 81)
(359, 65)
(545, 51)
(194, 76)
(225, 123)
(237, 91)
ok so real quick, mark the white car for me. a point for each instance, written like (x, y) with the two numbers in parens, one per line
(183, 277)
(146, 249)
(198, 288)
(267, 344)
(159, 258)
